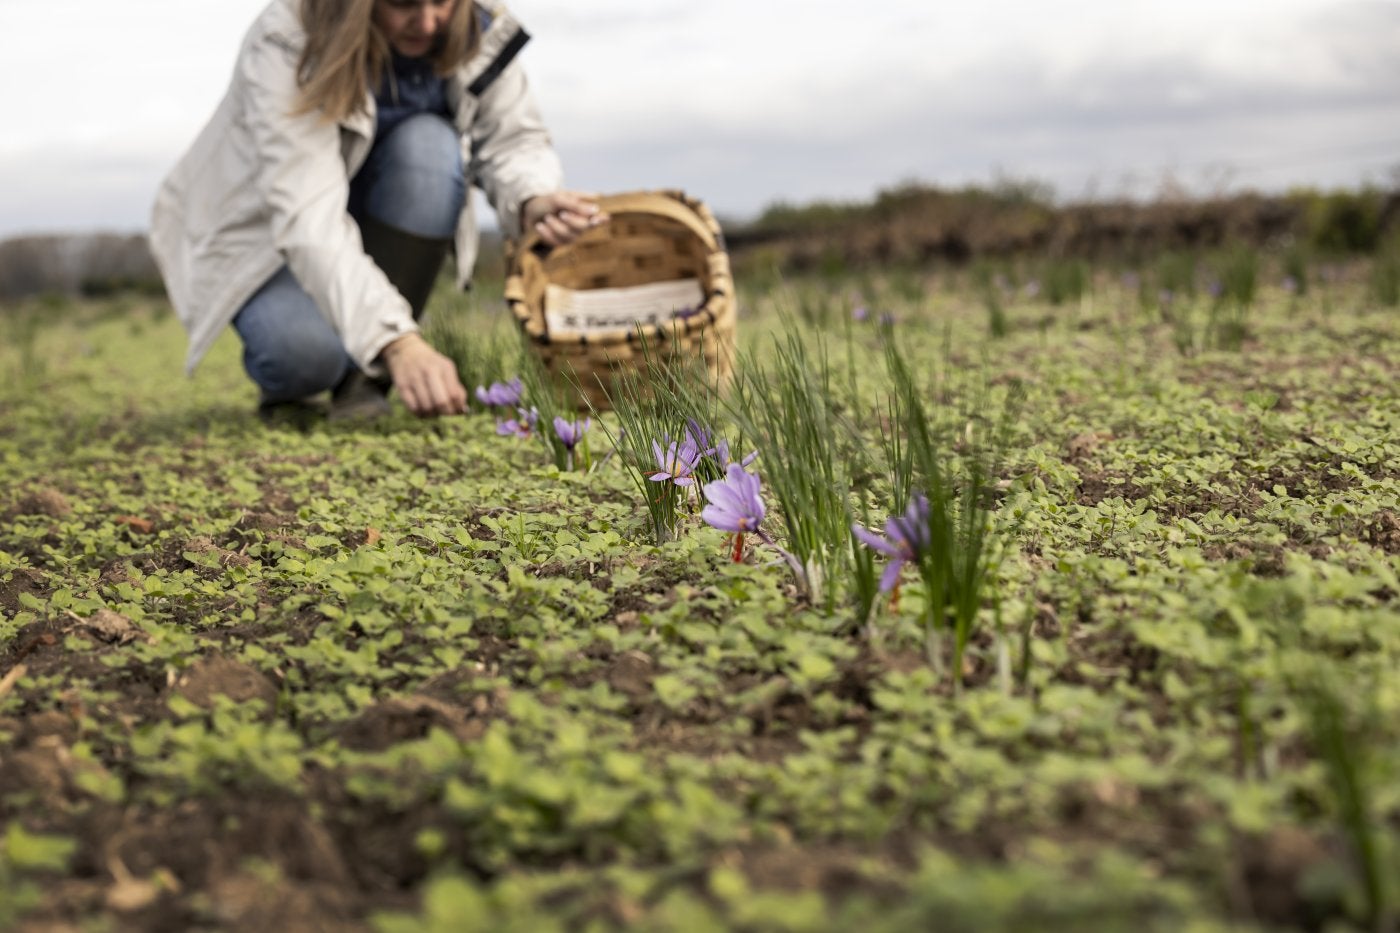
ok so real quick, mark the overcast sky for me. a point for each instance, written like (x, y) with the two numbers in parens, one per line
(744, 102)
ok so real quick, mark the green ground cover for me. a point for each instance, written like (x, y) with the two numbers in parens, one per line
(411, 676)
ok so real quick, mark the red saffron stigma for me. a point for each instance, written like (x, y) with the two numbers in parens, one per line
(738, 547)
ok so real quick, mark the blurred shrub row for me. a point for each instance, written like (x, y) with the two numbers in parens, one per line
(915, 224)
(81, 264)
(909, 225)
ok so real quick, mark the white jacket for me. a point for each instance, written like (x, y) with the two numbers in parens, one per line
(260, 188)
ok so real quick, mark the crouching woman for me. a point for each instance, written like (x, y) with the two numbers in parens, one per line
(314, 210)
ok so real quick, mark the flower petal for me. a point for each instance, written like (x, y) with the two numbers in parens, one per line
(890, 577)
(720, 493)
(720, 518)
(873, 540)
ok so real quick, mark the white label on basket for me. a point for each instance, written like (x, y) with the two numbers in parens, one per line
(594, 310)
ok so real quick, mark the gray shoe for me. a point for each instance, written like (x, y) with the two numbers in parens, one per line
(359, 398)
(297, 413)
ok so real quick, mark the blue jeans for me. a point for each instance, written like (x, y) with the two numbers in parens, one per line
(412, 180)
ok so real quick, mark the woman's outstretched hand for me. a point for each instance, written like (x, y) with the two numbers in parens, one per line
(560, 217)
(427, 381)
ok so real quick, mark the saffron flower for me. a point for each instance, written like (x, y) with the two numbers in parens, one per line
(501, 394)
(735, 506)
(734, 502)
(571, 432)
(675, 462)
(721, 455)
(860, 314)
(698, 435)
(523, 425)
(907, 538)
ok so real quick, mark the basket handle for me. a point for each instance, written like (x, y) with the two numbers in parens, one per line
(641, 202)
(647, 202)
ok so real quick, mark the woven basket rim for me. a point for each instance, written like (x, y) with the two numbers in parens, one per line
(665, 203)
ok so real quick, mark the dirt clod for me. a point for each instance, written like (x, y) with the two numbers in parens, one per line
(23, 580)
(402, 719)
(111, 627)
(220, 676)
(44, 500)
(630, 674)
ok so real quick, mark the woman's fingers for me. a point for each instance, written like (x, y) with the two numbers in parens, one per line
(427, 381)
(583, 205)
(451, 396)
(559, 218)
(558, 229)
(441, 392)
(565, 226)
(554, 230)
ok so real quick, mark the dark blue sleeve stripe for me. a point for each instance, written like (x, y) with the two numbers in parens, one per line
(513, 47)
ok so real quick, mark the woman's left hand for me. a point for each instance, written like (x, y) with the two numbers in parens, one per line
(560, 217)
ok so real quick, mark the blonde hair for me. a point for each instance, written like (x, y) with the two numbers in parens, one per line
(345, 53)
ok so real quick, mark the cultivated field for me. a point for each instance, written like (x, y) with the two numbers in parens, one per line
(1142, 670)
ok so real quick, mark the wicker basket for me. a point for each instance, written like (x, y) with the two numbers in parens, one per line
(651, 284)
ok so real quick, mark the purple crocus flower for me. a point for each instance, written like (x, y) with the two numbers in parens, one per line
(501, 394)
(571, 432)
(907, 538)
(734, 502)
(887, 319)
(1216, 288)
(860, 314)
(698, 436)
(676, 462)
(721, 455)
(735, 506)
(523, 425)
(1290, 284)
